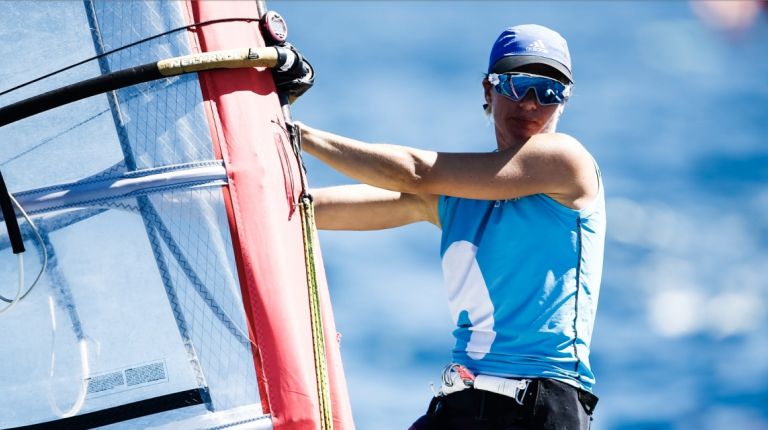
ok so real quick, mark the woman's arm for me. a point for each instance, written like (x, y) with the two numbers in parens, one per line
(363, 207)
(554, 164)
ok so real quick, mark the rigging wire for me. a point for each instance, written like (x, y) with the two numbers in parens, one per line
(112, 51)
(19, 286)
(19, 297)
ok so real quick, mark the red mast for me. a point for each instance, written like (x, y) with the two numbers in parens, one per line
(248, 131)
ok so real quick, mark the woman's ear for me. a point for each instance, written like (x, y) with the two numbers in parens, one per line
(487, 87)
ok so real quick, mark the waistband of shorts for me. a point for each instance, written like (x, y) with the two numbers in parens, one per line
(488, 403)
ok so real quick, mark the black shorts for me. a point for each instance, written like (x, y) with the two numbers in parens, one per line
(548, 405)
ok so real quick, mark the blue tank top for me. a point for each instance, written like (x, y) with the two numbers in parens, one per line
(523, 278)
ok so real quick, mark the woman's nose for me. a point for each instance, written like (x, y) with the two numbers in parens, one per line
(529, 102)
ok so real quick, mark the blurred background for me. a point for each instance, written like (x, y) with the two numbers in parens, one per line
(671, 98)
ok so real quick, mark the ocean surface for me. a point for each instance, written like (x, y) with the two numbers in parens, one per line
(676, 113)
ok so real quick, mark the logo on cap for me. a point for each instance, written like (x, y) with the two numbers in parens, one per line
(529, 44)
(537, 46)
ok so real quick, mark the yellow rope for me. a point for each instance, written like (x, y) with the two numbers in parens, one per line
(318, 338)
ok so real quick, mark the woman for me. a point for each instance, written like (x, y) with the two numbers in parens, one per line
(522, 241)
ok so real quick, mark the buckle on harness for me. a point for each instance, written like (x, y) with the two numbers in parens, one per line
(455, 378)
(458, 378)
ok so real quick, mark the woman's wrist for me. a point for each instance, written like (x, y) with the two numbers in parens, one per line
(305, 134)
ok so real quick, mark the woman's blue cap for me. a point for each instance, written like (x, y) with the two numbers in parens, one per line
(530, 44)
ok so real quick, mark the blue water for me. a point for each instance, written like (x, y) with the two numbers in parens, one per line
(676, 113)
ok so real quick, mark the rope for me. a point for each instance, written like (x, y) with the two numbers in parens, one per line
(318, 338)
(316, 319)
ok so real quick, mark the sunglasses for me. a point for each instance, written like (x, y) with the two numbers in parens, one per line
(516, 85)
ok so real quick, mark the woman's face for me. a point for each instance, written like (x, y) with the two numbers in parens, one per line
(519, 120)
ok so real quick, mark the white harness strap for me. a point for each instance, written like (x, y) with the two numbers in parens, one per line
(458, 378)
(514, 388)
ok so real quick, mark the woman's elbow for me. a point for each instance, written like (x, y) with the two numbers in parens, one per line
(416, 178)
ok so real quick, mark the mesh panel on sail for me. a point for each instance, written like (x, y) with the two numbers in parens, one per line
(147, 283)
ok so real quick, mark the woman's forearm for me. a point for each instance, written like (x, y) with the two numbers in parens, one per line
(362, 207)
(390, 167)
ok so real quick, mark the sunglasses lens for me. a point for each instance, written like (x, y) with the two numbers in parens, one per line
(516, 86)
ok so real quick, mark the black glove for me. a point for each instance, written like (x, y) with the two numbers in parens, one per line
(295, 75)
